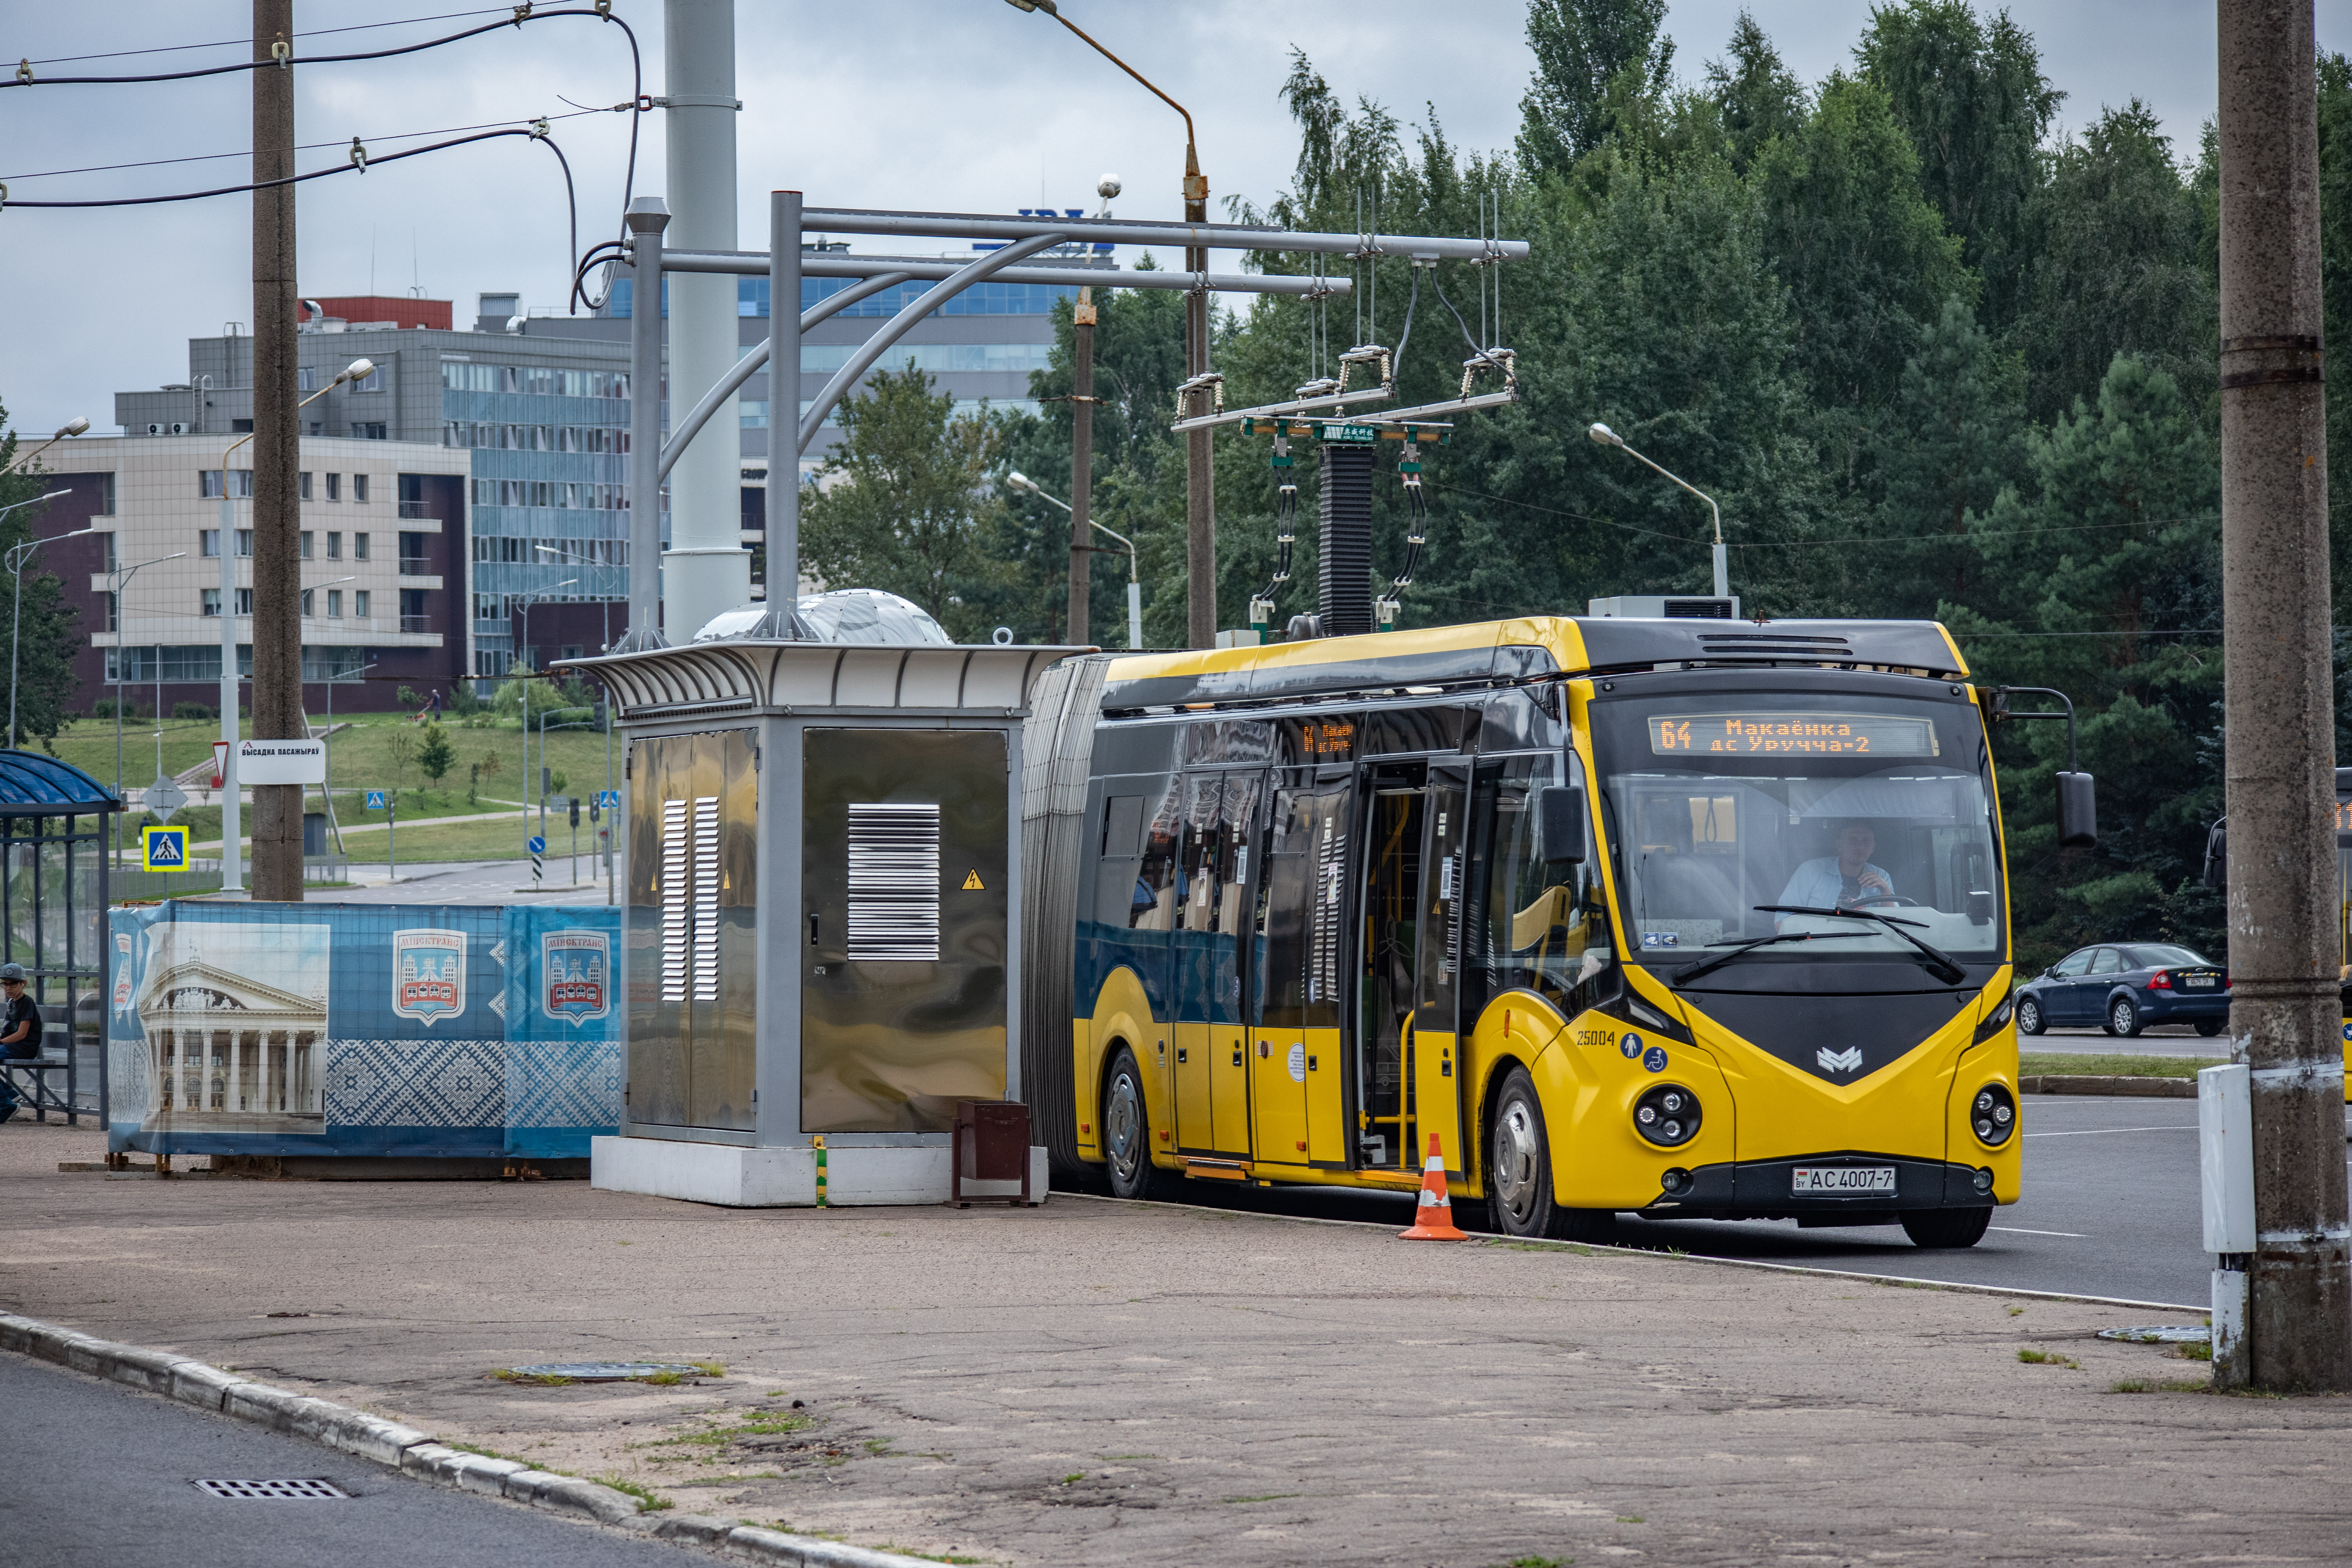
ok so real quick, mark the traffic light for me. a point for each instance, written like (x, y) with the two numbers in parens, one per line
(575, 811)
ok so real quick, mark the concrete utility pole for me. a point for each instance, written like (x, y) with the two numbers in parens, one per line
(1199, 483)
(277, 460)
(646, 218)
(1082, 467)
(2279, 691)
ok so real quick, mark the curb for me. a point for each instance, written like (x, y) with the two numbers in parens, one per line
(2084, 1083)
(415, 1453)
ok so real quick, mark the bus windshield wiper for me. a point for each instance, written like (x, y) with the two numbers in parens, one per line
(1941, 965)
(1742, 950)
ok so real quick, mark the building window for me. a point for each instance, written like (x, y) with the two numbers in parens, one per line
(244, 544)
(753, 413)
(302, 543)
(359, 481)
(412, 561)
(208, 542)
(335, 486)
(245, 601)
(359, 549)
(307, 379)
(114, 612)
(372, 382)
(334, 545)
(240, 484)
(106, 501)
(240, 426)
(314, 428)
(370, 430)
(211, 601)
(360, 603)
(308, 609)
(334, 603)
(109, 553)
(306, 485)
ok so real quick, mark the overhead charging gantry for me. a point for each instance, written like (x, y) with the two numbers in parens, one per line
(1018, 240)
(1348, 441)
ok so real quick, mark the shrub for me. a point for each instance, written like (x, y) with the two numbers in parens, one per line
(190, 710)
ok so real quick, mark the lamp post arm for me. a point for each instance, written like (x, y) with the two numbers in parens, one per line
(1123, 540)
(1722, 561)
(1189, 158)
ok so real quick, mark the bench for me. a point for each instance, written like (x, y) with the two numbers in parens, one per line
(31, 1078)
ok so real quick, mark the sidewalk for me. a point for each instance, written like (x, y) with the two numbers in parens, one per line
(1092, 1382)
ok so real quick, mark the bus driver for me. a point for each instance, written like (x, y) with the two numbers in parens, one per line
(1846, 879)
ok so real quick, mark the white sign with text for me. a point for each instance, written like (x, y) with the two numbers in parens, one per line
(281, 763)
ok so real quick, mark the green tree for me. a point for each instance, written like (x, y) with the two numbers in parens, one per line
(2114, 239)
(403, 746)
(44, 640)
(1955, 438)
(903, 503)
(435, 756)
(1757, 96)
(1971, 95)
(1583, 48)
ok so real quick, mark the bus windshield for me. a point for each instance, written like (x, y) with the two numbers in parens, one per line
(1720, 804)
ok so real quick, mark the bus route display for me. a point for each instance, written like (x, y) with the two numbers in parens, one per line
(1768, 735)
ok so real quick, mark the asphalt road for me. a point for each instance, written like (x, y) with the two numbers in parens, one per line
(2110, 1209)
(98, 1475)
(472, 882)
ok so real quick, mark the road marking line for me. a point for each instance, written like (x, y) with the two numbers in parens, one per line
(2020, 1230)
(2089, 1131)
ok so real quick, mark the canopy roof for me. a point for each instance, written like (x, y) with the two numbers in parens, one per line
(33, 783)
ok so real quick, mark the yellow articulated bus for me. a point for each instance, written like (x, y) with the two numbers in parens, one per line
(1684, 918)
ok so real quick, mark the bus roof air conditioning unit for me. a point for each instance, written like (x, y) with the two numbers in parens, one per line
(1667, 607)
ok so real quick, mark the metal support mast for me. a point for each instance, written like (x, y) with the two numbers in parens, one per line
(277, 460)
(2279, 693)
(647, 218)
(1082, 467)
(1199, 446)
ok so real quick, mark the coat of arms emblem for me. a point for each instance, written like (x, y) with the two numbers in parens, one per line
(428, 973)
(574, 967)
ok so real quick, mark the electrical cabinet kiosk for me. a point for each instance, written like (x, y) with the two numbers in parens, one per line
(821, 940)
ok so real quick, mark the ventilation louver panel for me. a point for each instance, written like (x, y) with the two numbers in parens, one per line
(894, 883)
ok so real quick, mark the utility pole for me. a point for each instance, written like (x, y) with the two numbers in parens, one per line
(1200, 484)
(2278, 690)
(1082, 466)
(277, 459)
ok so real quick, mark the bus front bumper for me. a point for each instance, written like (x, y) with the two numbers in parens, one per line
(1847, 1187)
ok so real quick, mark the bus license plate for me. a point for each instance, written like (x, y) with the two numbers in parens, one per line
(1842, 1181)
(2200, 981)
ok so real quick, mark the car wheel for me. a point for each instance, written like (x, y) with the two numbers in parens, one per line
(1946, 1227)
(1519, 1171)
(2208, 1028)
(2030, 1020)
(1127, 1130)
(2122, 1018)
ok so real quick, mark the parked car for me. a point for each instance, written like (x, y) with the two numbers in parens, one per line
(2125, 986)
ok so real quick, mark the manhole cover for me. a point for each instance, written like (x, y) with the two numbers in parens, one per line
(2162, 1334)
(271, 1491)
(605, 1371)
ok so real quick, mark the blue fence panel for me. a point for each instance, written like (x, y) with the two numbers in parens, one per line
(564, 1029)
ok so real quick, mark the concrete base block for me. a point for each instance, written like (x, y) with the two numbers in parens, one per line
(736, 1177)
(724, 1174)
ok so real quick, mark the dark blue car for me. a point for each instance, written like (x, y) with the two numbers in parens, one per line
(2125, 986)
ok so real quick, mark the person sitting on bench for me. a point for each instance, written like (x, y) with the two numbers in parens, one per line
(20, 1031)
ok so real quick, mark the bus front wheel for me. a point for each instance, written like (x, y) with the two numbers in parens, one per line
(1127, 1130)
(1519, 1171)
(1946, 1227)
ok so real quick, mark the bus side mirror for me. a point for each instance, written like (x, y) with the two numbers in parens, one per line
(2217, 857)
(1559, 824)
(2078, 813)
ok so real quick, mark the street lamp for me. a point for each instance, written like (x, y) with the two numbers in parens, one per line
(605, 600)
(1021, 482)
(73, 426)
(118, 579)
(327, 741)
(1605, 436)
(17, 555)
(232, 830)
(523, 642)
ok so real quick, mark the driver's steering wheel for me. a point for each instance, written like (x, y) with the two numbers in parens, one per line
(1875, 900)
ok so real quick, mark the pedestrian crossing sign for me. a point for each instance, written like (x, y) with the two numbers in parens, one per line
(375, 800)
(164, 848)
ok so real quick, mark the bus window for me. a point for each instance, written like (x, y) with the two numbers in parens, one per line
(1298, 916)
(1117, 877)
(1158, 878)
(1532, 928)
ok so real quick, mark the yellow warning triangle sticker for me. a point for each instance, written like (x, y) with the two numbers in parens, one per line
(972, 882)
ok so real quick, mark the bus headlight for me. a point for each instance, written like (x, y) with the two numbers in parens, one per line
(1993, 1115)
(1667, 1114)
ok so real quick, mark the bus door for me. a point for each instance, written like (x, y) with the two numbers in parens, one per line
(1434, 1046)
(1396, 827)
(1211, 960)
(1299, 1076)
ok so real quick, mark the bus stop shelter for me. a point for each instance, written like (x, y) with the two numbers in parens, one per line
(53, 885)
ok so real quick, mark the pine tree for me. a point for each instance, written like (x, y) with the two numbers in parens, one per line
(1582, 47)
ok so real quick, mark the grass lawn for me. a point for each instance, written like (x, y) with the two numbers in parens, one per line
(2113, 1065)
(500, 840)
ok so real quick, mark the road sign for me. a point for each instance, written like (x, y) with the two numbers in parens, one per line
(163, 797)
(164, 848)
(375, 800)
(220, 763)
(609, 799)
(537, 844)
(281, 763)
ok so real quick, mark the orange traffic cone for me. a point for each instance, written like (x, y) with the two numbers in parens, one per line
(1435, 1220)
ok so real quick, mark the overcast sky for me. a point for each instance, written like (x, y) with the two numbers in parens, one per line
(951, 105)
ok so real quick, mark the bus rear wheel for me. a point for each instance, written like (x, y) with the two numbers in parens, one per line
(1127, 1130)
(1519, 1171)
(1946, 1227)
